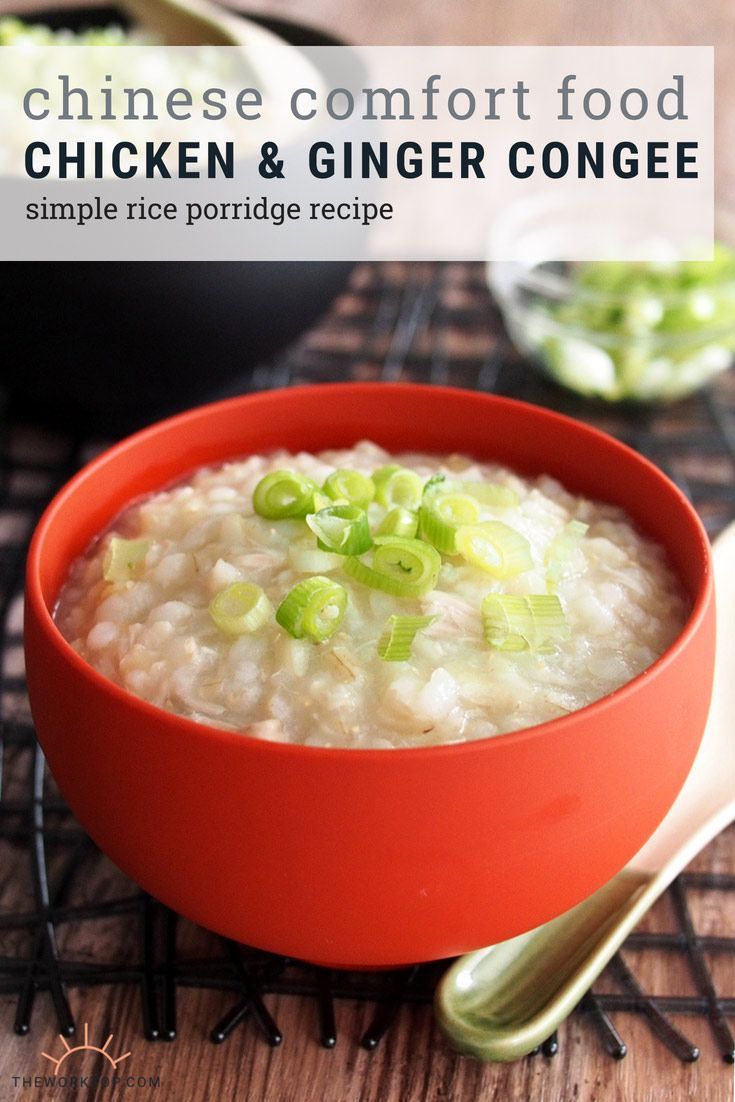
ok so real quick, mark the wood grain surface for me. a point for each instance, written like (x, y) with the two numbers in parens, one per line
(414, 1064)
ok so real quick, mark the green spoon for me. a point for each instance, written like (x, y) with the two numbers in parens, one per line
(502, 1002)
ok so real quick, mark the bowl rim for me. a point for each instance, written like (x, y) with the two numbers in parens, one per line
(34, 598)
(557, 286)
(651, 343)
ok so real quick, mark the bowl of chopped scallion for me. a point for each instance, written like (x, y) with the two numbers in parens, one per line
(652, 330)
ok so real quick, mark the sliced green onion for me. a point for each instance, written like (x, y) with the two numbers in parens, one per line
(313, 609)
(352, 486)
(399, 522)
(560, 551)
(493, 494)
(642, 322)
(394, 644)
(398, 486)
(535, 622)
(402, 567)
(456, 509)
(440, 518)
(310, 560)
(323, 501)
(549, 621)
(284, 494)
(507, 622)
(494, 547)
(434, 483)
(240, 609)
(123, 558)
(341, 529)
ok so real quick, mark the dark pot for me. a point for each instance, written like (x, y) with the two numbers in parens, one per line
(112, 345)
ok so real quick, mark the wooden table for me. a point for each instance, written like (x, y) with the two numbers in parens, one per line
(414, 1064)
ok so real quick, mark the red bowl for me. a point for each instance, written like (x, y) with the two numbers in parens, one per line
(369, 857)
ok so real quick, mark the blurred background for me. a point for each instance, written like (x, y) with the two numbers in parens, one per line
(106, 347)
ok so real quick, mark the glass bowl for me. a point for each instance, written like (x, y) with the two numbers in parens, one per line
(615, 330)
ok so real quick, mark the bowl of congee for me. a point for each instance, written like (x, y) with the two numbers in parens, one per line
(369, 674)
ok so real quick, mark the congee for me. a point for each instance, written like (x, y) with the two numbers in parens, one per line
(363, 600)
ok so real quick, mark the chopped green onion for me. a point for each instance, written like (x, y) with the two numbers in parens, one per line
(456, 509)
(240, 609)
(493, 494)
(434, 483)
(401, 566)
(440, 518)
(512, 623)
(284, 494)
(398, 486)
(549, 622)
(507, 622)
(399, 522)
(642, 330)
(313, 609)
(310, 560)
(494, 547)
(560, 551)
(341, 529)
(394, 644)
(322, 501)
(352, 486)
(123, 558)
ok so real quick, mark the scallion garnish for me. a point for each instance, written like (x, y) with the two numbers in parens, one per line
(395, 643)
(434, 483)
(284, 494)
(323, 501)
(535, 622)
(549, 621)
(493, 494)
(341, 529)
(560, 551)
(310, 560)
(351, 486)
(313, 609)
(401, 566)
(240, 609)
(507, 623)
(123, 558)
(399, 522)
(398, 486)
(494, 547)
(442, 514)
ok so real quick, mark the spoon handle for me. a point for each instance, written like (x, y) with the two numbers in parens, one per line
(527, 986)
(501, 1002)
(187, 22)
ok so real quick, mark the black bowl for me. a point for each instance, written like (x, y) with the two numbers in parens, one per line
(111, 345)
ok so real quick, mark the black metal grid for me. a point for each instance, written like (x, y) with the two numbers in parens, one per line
(431, 323)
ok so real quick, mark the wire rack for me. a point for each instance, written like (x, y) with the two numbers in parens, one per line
(430, 323)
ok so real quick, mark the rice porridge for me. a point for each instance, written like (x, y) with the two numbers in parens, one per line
(356, 599)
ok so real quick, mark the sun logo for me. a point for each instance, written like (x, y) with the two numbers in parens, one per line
(57, 1061)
